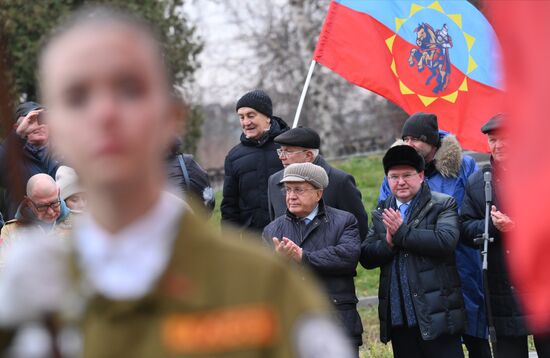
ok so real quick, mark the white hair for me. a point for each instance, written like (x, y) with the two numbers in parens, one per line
(315, 153)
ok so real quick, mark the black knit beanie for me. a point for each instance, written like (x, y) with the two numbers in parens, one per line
(258, 100)
(422, 126)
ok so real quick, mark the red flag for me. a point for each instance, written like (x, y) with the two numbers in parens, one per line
(524, 28)
(431, 56)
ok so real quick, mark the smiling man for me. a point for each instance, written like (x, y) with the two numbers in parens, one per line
(413, 239)
(249, 164)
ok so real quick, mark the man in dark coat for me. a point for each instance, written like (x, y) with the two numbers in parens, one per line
(508, 317)
(30, 138)
(322, 238)
(250, 163)
(412, 239)
(447, 171)
(301, 145)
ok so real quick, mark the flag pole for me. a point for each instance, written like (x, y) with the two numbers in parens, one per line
(304, 92)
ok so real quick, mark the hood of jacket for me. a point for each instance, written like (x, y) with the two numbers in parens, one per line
(448, 157)
(278, 126)
(25, 214)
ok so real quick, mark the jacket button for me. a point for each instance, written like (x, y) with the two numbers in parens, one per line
(425, 333)
(406, 255)
(415, 294)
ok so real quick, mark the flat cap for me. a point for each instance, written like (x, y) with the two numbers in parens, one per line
(299, 137)
(24, 108)
(493, 124)
(306, 172)
(402, 155)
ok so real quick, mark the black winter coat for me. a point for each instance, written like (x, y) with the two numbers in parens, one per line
(427, 241)
(508, 318)
(248, 167)
(341, 193)
(331, 248)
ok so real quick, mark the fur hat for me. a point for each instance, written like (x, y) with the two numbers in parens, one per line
(402, 155)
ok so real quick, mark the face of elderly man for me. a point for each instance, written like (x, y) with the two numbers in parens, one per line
(302, 198)
(498, 145)
(43, 197)
(405, 182)
(253, 123)
(292, 154)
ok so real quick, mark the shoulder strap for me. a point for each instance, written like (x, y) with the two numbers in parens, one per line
(184, 171)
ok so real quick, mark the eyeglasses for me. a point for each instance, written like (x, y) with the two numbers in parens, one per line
(44, 207)
(405, 177)
(297, 191)
(286, 153)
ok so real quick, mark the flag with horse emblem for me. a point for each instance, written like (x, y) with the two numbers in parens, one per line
(431, 56)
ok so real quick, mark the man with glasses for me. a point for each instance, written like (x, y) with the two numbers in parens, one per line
(42, 209)
(446, 171)
(320, 237)
(412, 239)
(301, 145)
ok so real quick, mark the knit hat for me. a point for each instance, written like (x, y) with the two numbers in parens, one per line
(402, 155)
(24, 108)
(299, 137)
(306, 172)
(67, 181)
(422, 126)
(258, 100)
(494, 124)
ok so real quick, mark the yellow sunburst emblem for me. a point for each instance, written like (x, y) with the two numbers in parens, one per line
(457, 19)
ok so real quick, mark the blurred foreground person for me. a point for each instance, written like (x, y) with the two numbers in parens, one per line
(42, 209)
(413, 239)
(508, 317)
(148, 278)
(249, 164)
(70, 190)
(320, 237)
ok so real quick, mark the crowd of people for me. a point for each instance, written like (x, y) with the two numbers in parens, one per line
(108, 235)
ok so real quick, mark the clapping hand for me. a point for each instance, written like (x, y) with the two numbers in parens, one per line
(392, 221)
(288, 248)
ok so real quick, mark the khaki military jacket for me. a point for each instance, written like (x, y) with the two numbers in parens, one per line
(15, 230)
(217, 298)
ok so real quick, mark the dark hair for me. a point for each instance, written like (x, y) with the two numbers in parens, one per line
(105, 14)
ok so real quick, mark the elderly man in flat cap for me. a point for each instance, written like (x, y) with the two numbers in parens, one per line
(508, 317)
(320, 237)
(301, 145)
(412, 239)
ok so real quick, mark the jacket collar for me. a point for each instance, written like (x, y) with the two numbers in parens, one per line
(320, 213)
(420, 200)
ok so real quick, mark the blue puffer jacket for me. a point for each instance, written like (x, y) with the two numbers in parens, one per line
(448, 173)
